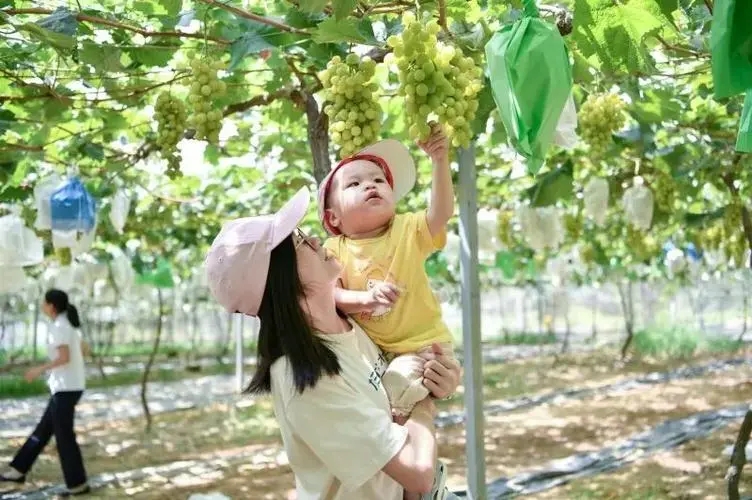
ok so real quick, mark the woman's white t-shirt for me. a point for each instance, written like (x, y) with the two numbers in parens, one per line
(72, 375)
(339, 434)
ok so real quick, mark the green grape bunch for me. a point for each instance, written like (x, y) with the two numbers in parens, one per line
(664, 190)
(573, 225)
(435, 79)
(206, 86)
(504, 227)
(352, 107)
(171, 115)
(600, 116)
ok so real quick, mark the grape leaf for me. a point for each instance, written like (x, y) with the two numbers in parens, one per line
(553, 186)
(695, 219)
(153, 55)
(313, 6)
(56, 40)
(247, 44)
(333, 31)
(667, 8)
(7, 118)
(172, 6)
(486, 104)
(343, 8)
(615, 33)
(104, 58)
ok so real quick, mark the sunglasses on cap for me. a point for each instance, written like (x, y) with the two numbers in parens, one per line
(299, 238)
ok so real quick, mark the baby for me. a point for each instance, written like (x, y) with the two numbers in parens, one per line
(384, 285)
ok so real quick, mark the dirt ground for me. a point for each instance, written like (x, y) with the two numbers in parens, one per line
(247, 459)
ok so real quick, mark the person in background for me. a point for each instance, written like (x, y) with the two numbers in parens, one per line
(67, 381)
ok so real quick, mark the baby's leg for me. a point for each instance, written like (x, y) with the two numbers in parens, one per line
(403, 382)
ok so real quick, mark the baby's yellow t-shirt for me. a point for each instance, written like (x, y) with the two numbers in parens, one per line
(397, 257)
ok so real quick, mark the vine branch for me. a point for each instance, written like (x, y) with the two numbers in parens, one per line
(254, 17)
(115, 24)
(443, 15)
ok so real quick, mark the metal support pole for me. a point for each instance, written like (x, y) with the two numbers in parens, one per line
(471, 328)
(238, 352)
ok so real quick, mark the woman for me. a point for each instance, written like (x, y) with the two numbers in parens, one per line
(67, 381)
(323, 372)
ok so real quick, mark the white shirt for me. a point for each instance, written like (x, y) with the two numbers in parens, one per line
(72, 375)
(339, 434)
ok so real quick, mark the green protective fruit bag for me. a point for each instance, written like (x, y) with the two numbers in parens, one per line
(531, 78)
(731, 47)
(161, 277)
(744, 137)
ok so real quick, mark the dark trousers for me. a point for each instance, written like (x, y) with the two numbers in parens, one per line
(57, 420)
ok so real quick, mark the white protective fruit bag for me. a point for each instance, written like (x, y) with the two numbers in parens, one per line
(675, 261)
(532, 231)
(566, 129)
(638, 204)
(552, 226)
(19, 245)
(595, 197)
(42, 193)
(120, 206)
(487, 230)
(77, 242)
(122, 272)
(541, 227)
(14, 279)
(61, 277)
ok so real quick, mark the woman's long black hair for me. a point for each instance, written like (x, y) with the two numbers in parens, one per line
(59, 300)
(285, 330)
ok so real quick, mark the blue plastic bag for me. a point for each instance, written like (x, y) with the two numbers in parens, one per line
(72, 208)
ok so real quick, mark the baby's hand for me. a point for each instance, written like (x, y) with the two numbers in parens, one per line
(383, 294)
(437, 144)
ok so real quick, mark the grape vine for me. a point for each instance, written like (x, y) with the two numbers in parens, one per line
(353, 110)
(600, 116)
(435, 79)
(205, 87)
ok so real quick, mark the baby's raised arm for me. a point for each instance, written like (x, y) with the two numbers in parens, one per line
(441, 208)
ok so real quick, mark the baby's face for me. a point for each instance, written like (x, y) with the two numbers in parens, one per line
(360, 198)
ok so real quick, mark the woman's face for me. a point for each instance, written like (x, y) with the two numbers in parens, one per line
(315, 265)
(48, 309)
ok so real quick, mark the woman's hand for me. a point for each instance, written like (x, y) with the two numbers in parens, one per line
(441, 373)
(33, 374)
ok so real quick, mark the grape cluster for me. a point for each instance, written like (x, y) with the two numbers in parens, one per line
(664, 191)
(353, 111)
(643, 246)
(504, 227)
(206, 85)
(64, 256)
(587, 253)
(436, 79)
(600, 116)
(171, 115)
(573, 225)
